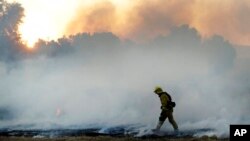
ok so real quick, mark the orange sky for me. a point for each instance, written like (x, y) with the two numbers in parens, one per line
(135, 19)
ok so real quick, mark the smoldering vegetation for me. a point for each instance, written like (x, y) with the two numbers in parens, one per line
(105, 138)
(97, 80)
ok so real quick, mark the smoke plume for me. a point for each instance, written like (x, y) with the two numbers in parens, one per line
(100, 80)
(147, 19)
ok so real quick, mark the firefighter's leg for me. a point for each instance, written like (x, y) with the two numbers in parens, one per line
(159, 124)
(172, 121)
(162, 118)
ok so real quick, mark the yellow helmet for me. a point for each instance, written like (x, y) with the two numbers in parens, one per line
(158, 89)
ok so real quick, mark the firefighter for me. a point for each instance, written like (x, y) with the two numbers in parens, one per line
(166, 109)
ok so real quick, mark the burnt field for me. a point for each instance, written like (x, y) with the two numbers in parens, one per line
(109, 134)
(108, 138)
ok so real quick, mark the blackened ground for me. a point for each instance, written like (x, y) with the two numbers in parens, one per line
(111, 133)
(108, 138)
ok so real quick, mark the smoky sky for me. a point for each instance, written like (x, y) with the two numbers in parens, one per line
(99, 79)
(147, 19)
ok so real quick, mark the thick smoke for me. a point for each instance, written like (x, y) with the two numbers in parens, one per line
(88, 80)
(147, 19)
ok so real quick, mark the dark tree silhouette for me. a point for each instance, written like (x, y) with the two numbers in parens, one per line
(11, 15)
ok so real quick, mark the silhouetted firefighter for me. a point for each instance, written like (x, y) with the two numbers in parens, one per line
(166, 109)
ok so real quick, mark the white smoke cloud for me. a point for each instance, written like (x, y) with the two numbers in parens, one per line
(99, 80)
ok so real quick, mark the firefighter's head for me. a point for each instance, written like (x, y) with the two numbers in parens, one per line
(158, 90)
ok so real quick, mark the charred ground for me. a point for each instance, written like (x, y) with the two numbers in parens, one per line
(110, 134)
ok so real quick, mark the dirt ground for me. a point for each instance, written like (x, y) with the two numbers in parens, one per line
(107, 138)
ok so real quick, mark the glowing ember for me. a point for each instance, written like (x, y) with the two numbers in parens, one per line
(58, 112)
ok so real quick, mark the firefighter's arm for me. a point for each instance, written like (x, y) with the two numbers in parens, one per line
(164, 102)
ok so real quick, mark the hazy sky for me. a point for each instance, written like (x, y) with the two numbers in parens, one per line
(138, 20)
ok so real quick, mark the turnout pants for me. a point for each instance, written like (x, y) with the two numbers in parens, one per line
(168, 114)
